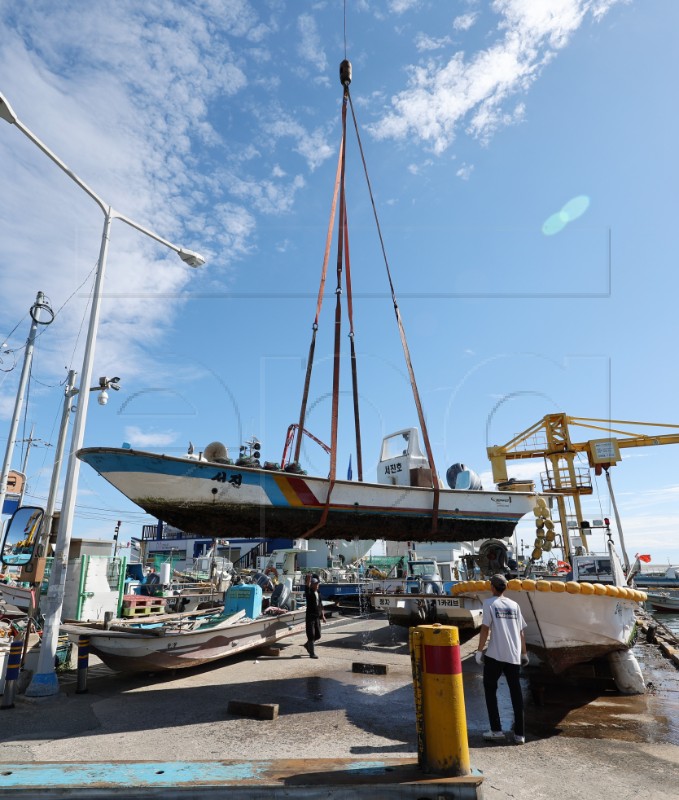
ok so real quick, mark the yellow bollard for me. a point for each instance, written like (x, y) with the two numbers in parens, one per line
(439, 700)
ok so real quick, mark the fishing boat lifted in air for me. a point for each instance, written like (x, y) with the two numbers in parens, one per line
(210, 495)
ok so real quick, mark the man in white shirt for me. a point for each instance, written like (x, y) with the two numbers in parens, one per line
(506, 653)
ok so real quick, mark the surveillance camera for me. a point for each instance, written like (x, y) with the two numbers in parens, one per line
(103, 398)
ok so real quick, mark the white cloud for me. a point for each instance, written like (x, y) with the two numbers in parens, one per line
(401, 6)
(425, 43)
(138, 438)
(465, 21)
(442, 95)
(312, 145)
(123, 99)
(309, 45)
(267, 197)
(465, 171)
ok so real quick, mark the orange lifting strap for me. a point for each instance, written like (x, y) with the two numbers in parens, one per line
(343, 260)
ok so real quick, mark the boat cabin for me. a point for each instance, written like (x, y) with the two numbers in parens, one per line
(402, 462)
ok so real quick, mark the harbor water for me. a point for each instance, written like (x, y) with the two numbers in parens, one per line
(670, 621)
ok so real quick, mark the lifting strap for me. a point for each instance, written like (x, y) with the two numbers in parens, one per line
(342, 238)
(319, 303)
(343, 258)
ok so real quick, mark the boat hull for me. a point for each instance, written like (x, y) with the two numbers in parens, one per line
(567, 629)
(140, 652)
(217, 500)
(665, 603)
(18, 596)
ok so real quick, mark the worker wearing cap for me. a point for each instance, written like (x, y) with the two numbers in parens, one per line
(506, 653)
(314, 613)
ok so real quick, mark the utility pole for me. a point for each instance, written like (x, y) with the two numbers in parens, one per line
(41, 304)
(24, 467)
(116, 531)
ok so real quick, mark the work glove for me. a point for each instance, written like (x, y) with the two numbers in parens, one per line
(524, 660)
(479, 657)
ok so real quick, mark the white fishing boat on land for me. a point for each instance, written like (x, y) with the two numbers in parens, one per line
(179, 641)
(571, 622)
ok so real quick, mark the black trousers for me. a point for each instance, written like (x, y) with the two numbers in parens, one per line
(492, 670)
(313, 631)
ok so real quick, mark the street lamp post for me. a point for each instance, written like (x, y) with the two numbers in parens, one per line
(44, 681)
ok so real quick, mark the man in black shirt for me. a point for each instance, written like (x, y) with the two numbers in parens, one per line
(314, 613)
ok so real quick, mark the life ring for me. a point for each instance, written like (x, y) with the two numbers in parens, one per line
(271, 571)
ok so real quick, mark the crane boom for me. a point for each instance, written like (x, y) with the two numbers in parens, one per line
(550, 439)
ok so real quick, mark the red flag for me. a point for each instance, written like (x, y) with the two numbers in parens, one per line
(644, 558)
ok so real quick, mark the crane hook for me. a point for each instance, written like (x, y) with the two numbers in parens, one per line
(345, 73)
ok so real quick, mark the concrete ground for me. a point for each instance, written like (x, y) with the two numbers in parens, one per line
(581, 741)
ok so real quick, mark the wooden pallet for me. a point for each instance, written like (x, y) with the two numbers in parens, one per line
(136, 605)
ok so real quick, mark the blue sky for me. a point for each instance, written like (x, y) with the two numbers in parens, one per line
(523, 161)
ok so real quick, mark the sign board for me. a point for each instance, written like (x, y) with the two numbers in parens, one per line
(11, 504)
(603, 451)
(15, 482)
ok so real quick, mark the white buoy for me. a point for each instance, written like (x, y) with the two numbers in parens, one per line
(165, 573)
(626, 672)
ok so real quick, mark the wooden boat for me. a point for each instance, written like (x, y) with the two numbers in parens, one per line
(183, 641)
(209, 498)
(664, 601)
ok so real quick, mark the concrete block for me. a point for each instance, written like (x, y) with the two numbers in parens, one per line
(253, 710)
(369, 669)
(268, 651)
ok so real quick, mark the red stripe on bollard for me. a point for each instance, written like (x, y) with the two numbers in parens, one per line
(442, 660)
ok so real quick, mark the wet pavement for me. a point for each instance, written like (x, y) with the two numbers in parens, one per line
(580, 728)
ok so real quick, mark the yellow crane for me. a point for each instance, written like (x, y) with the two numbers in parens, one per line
(550, 440)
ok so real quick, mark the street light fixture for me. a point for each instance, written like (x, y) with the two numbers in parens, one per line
(44, 681)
